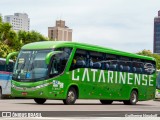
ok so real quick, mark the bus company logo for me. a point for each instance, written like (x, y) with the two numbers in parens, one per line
(24, 88)
(149, 68)
(58, 84)
(114, 77)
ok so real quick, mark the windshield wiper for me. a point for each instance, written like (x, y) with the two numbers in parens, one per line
(21, 69)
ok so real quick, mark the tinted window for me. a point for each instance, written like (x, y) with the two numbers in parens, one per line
(137, 67)
(149, 67)
(95, 60)
(2, 65)
(125, 66)
(59, 61)
(7, 68)
(98, 60)
(111, 62)
(80, 59)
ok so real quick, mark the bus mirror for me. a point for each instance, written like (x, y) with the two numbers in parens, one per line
(49, 55)
(10, 55)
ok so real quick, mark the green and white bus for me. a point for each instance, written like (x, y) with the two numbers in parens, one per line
(68, 71)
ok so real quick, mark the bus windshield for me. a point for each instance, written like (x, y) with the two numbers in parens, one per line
(30, 65)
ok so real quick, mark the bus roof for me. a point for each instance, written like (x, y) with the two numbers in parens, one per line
(56, 44)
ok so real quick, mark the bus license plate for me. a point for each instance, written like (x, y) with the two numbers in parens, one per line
(24, 93)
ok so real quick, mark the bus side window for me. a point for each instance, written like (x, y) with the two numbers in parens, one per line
(149, 67)
(95, 60)
(137, 67)
(111, 62)
(113, 65)
(80, 63)
(107, 66)
(124, 66)
(2, 66)
(59, 61)
(9, 67)
(79, 60)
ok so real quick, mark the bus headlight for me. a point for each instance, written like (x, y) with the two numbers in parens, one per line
(13, 86)
(41, 86)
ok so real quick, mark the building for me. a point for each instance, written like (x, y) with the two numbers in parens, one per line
(60, 32)
(156, 43)
(19, 21)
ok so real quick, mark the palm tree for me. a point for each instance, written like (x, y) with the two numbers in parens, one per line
(6, 28)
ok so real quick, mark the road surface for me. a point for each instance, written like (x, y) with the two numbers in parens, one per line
(82, 108)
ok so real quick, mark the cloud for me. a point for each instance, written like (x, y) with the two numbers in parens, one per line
(121, 24)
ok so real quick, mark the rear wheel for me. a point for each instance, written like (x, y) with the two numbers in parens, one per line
(71, 97)
(40, 100)
(133, 98)
(1, 96)
(106, 101)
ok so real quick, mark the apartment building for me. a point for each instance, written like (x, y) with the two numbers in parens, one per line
(60, 32)
(19, 21)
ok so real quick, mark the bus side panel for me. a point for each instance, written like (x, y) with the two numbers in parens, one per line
(97, 86)
(151, 89)
(101, 85)
(92, 84)
(58, 86)
(5, 82)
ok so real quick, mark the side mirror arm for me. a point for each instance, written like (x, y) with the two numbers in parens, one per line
(49, 55)
(10, 55)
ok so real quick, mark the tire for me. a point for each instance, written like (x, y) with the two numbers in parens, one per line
(1, 96)
(133, 98)
(71, 97)
(105, 102)
(40, 100)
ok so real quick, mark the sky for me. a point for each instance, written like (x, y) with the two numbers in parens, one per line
(125, 25)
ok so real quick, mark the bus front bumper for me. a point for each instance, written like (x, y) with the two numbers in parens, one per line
(26, 92)
(157, 94)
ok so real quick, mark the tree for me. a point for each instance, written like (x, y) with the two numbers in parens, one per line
(28, 37)
(12, 41)
(0, 28)
(150, 54)
(5, 29)
(145, 52)
(22, 36)
(4, 50)
(157, 57)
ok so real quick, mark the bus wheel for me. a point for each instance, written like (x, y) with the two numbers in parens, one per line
(1, 96)
(40, 100)
(106, 101)
(71, 97)
(133, 98)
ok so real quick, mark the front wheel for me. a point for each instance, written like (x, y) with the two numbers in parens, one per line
(133, 98)
(40, 100)
(71, 97)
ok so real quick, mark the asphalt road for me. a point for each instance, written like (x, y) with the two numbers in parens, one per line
(82, 108)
